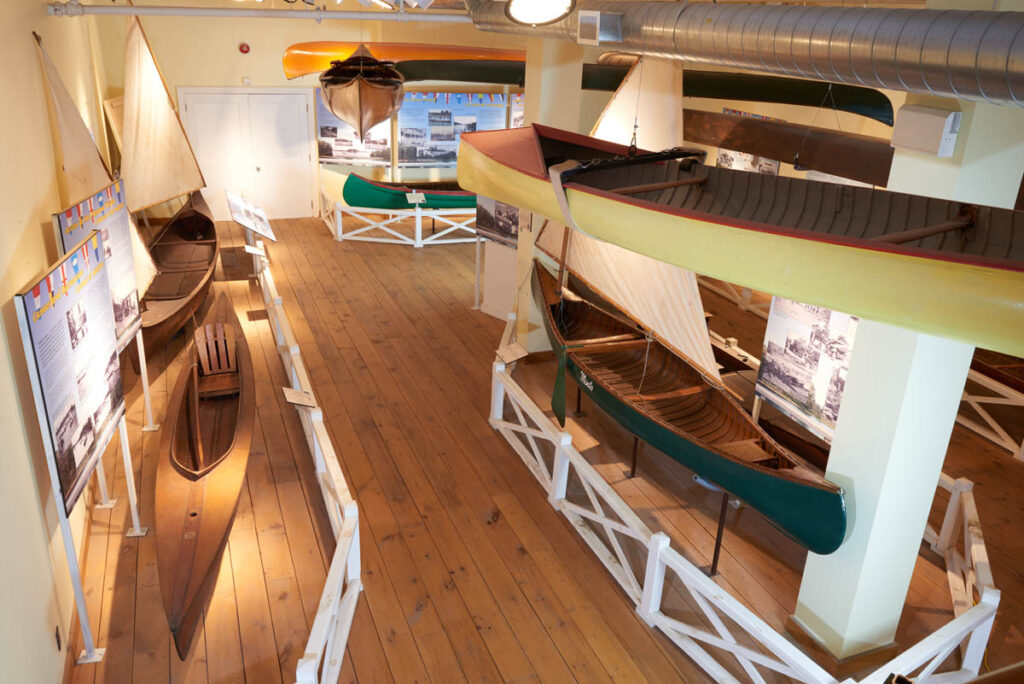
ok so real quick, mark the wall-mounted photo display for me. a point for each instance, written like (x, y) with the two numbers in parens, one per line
(429, 124)
(744, 161)
(338, 143)
(517, 110)
(804, 363)
(107, 213)
(68, 332)
(497, 221)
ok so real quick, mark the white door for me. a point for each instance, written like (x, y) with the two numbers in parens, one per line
(281, 155)
(256, 144)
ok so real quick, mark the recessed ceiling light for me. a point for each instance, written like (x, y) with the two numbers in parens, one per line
(538, 12)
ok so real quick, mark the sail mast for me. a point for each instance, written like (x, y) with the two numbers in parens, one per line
(157, 161)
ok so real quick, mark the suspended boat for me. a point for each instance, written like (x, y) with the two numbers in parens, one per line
(362, 91)
(158, 165)
(670, 404)
(204, 450)
(936, 266)
(362, 192)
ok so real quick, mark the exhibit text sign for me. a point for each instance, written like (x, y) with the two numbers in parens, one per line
(107, 213)
(67, 327)
(249, 216)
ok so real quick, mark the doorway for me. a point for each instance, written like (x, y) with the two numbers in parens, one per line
(255, 142)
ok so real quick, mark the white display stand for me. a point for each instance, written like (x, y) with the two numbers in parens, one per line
(499, 291)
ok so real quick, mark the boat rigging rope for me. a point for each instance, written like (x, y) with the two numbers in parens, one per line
(636, 111)
(647, 355)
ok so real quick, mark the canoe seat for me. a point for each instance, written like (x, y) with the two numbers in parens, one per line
(671, 394)
(215, 347)
(746, 450)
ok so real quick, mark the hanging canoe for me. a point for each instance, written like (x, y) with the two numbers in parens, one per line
(361, 192)
(315, 57)
(362, 91)
(959, 274)
(185, 253)
(204, 450)
(674, 407)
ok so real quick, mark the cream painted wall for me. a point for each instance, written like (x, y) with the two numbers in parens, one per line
(36, 596)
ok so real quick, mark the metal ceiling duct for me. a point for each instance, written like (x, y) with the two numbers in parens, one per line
(974, 55)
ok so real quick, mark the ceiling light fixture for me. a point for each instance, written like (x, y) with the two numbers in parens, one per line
(538, 12)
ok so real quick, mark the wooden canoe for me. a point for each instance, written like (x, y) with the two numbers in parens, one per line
(204, 450)
(184, 252)
(362, 192)
(669, 404)
(815, 242)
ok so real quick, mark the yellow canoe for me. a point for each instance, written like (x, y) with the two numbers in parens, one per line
(316, 56)
(819, 243)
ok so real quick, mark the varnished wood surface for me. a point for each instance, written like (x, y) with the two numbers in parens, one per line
(469, 574)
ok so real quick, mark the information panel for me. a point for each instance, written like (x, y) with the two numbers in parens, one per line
(804, 363)
(430, 124)
(249, 216)
(107, 213)
(67, 329)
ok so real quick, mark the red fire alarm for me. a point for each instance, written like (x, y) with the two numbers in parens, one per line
(243, 48)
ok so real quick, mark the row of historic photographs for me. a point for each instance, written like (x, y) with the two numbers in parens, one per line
(429, 126)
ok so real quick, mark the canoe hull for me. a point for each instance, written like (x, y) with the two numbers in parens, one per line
(194, 514)
(360, 192)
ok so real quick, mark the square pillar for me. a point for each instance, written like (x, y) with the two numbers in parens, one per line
(898, 411)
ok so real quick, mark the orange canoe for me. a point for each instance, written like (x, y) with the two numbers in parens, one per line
(314, 57)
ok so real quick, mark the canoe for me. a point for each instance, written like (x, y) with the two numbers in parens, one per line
(184, 252)
(821, 243)
(361, 192)
(666, 402)
(362, 91)
(203, 454)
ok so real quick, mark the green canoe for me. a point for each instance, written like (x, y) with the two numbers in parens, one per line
(659, 397)
(360, 192)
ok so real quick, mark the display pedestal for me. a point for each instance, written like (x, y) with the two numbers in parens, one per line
(499, 297)
(150, 426)
(840, 668)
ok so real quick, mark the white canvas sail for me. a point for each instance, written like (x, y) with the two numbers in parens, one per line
(662, 297)
(81, 170)
(157, 162)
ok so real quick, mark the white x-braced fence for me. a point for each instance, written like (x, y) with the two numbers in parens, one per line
(380, 225)
(721, 635)
(322, 658)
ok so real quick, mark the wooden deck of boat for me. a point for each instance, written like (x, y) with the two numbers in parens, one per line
(469, 574)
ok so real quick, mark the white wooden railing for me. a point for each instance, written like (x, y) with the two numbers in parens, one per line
(1001, 395)
(378, 225)
(321, 660)
(721, 635)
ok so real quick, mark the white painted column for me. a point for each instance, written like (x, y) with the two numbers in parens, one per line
(554, 74)
(898, 411)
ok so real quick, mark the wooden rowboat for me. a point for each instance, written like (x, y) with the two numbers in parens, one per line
(936, 266)
(184, 252)
(668, 403)
(362, 91)
(204, 450)
(361, 192)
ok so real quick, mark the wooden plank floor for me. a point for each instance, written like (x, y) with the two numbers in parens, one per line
(469, 574)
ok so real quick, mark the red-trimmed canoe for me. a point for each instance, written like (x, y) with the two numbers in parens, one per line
(668, 403)
(362, 192)
(814, 242)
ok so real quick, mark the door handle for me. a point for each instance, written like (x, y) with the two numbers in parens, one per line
(257, 169)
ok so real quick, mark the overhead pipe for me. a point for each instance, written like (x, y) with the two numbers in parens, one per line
(74, 9)
(974, 55)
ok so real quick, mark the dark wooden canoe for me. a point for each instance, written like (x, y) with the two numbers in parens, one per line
(362, 91)
(203, 454)
(668, 403)
(185, 254)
